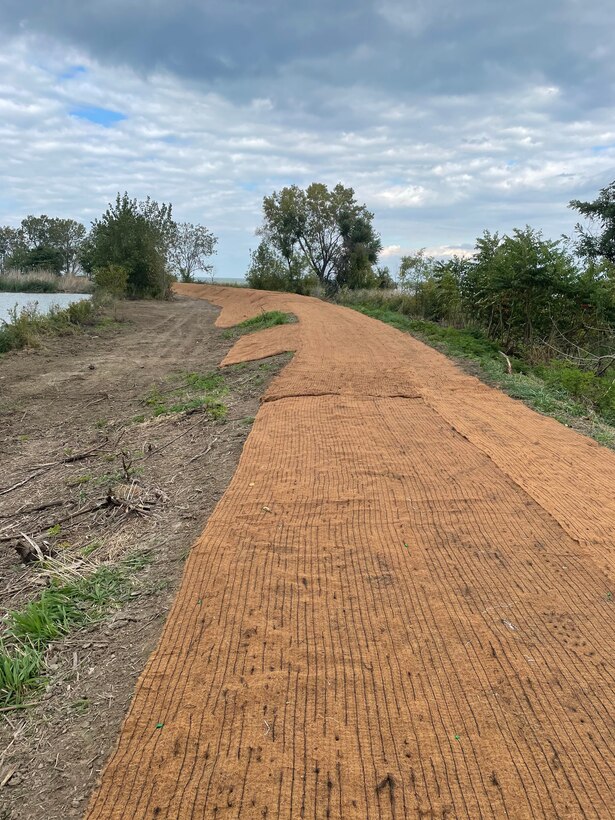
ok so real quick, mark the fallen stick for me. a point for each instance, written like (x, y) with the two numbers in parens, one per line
(20, 706)
(39, 508)
(204, 453)
(168, 443)
(91, 508)
(71, 459)
(6, 490)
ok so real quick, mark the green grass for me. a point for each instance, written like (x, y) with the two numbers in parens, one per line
(261, 322)
(20, 672)
(28, 325)
(194, 392)
(60, 609)
(575, 398)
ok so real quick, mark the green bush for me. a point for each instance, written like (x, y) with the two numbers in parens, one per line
(27, 325)
(596, 391)
(268, 271)
(22, 329)
(112, 279)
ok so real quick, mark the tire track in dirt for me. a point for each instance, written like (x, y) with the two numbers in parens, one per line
(400, 608)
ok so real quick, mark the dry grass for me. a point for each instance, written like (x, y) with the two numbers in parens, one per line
(44, 282)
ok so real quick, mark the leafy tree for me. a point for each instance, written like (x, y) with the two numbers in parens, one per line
(42, 257)
(46, 242)
(384, 280)
(190, 246)
(8, 240)
(67, 236)
(136, 236)
(270, 270)
(361, 249)
(528, 286)
(600, 212)
(326, 229)
(414, 269)
(35, 231)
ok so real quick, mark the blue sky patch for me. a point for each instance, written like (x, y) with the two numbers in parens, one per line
(73, 71)
(99, 116)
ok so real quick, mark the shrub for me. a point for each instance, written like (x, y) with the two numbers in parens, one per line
(27, 325)
(112, 279)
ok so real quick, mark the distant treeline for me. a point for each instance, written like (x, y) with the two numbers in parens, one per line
(134, 248)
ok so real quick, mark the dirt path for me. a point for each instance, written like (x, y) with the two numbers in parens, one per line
(401, 607)
(88, 392)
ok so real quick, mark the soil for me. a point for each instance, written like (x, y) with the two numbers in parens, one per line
(401, 607)
(86, 394)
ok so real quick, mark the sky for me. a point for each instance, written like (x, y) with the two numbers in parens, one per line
(446, 118)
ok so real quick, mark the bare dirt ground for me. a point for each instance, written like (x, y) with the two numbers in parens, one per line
(75, 422)
(401, 607)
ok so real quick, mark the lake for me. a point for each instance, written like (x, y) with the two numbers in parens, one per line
(44, 301)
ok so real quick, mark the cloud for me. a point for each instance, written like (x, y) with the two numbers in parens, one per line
(445, 118)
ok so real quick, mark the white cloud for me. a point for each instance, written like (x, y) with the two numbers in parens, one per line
(435, 170)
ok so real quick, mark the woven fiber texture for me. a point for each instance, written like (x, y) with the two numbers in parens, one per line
(400, 608)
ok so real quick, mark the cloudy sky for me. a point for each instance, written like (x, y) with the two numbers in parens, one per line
(446, 117)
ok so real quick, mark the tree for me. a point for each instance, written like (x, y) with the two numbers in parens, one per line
(269, 270)
(190, 246)
(136, 236)
(67, 236)
(327, 229)
(521, 286)
(43, 242)
(414, 269)
(42, 258)
(384, 279)
(8, 242)
(600, 212)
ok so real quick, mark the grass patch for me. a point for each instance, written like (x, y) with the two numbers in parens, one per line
(61, 608)
(28, 325)
(264, 320)
(573, 397)
(204, 392)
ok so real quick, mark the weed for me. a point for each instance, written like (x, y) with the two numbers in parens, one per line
(88, 549)
(20, 672)
(194, 392)
(78, 480)
(137, 560)
(42, 281)
(210, 382)
(26, 327)
(60, 608)
(261, 322)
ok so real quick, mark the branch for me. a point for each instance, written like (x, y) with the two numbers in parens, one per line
(508, 364)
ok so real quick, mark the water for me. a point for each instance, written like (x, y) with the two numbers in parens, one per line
(44, 301)
(222, 280)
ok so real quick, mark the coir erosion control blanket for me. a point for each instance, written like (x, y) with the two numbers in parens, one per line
(400, 608)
